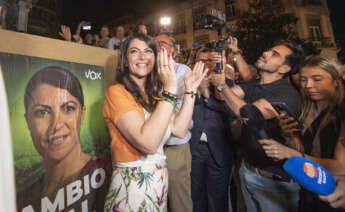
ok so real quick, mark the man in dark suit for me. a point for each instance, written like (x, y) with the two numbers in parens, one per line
(210, 147)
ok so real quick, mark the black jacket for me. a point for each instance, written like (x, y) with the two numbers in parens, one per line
(210, 117)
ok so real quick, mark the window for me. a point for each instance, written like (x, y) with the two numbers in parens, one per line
(180, 25)
(202, 39)
(197, 14)
(314, 27)
(230, 9)
(52, 5)
(316, 2)
(272, 3)
(182, 43)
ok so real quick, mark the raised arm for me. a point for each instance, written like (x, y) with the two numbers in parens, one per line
(234, 99)
(65, 33)
(242, 65)
(192, 80)
(80, 25)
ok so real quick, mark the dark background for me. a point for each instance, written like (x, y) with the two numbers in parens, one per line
(102, 11)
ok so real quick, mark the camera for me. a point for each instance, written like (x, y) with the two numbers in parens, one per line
(86, 26)
(209, 22)
(216, 21)
(215, 45)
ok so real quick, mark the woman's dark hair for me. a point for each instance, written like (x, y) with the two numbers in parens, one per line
(153, 85)
(57, 77)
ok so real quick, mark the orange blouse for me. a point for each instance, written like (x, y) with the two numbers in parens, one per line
(119, 101)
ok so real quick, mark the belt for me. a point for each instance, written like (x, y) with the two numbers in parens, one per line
(267, 174)
(203, 142)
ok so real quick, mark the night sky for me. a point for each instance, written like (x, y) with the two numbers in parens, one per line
(337, 8)
(103, 11)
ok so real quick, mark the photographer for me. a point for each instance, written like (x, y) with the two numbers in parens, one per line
(265, 185)
(210, 145)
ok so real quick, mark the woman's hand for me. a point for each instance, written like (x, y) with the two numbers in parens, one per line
(166, 71)
(65, 33)
(193, 79)
(337, 198)
(275, 149)
(288, 125)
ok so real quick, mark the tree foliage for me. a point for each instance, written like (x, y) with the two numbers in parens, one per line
(264, 24)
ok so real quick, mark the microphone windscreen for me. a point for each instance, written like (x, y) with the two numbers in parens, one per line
(310, 175)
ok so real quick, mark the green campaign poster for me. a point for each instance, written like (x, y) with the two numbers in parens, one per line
(59, 135)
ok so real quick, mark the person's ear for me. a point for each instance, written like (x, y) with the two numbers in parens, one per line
(283, 69)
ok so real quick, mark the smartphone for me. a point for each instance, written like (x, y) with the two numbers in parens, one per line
(86, 26)
(281, 107)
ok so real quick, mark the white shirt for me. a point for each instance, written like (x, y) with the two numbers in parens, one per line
(180, 70)
(115, 43)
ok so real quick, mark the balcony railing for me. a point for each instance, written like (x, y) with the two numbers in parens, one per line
(324, 42)
(311, 2)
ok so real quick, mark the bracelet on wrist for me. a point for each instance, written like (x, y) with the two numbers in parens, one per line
(171, 102)
(169, 95)
(164, 98)
(191, 93)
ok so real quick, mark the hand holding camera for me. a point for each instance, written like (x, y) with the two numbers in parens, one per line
(233, 44)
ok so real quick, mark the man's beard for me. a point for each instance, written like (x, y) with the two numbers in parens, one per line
(261, 70)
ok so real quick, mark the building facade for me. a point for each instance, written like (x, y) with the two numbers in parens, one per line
(39, 17)
(45, 18)
(313, 20)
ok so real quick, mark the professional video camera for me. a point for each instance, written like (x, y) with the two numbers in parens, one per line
(217, 44)
(216, 21)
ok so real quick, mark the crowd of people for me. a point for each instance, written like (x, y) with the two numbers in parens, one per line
(206, 140)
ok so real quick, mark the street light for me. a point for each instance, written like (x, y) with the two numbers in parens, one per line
(165, 22)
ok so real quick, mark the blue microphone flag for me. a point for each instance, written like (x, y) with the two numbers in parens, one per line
(310, 175)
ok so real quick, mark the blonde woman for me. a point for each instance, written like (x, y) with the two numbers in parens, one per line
(323, 134)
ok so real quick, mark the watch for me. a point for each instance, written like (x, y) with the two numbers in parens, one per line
(237, 52)
(220, 87)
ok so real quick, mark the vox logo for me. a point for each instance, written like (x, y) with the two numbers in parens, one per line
(93, 75)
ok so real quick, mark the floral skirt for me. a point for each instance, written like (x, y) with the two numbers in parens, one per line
(143, 188)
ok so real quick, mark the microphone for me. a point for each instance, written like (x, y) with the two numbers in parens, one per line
(310, 175)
